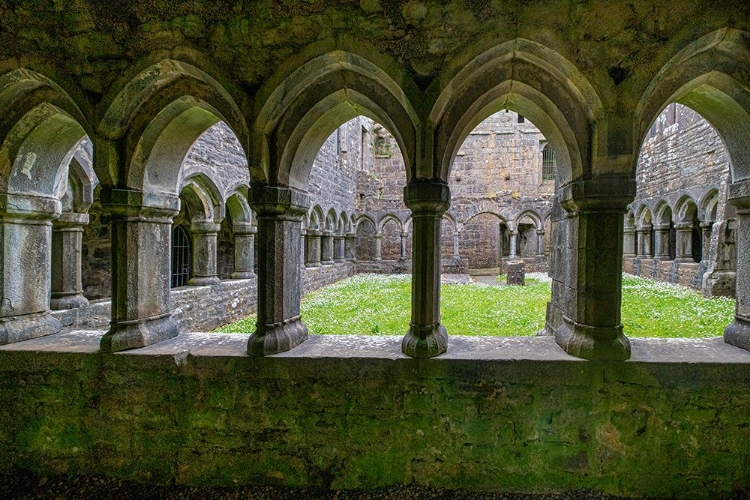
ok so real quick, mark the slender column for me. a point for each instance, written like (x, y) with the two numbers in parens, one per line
(327, 248)
(591, 326)
(738, 332)
(25, 256)
(312, 238)
(141, 309)
(205, 235)
(456, 236)
(404, 235)
(279, 326)
(378, 246)
(706, 228)
(661, 243)
(67, 239)
(628, 241)
(350, 243)
(684, 249)
(644, 241)
(338, 248)
(428, 202)
(512, 254)
(540, 243)
(244, 251)
(304, 240)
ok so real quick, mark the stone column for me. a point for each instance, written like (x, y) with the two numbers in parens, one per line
(540, 244)
(644, 241)
(404, 235)
(661, 243)
(312, 238)
(244, 251)
(67, 239)
(591, 326)
(738, 332)
(205, 235)
(141, 235)
(378, 245)
(25, 233)
(706, 228)
(338, 248)
(684, 250)
(427, 201)
(327, 248)
(512, 252)
(279, 325)
(350, 243)
(628, 241)
(456, 237)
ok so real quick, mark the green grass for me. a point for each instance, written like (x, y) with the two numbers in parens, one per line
(380, 305)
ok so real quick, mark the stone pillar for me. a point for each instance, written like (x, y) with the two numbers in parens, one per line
(684, 250)
(25, 233)
(404, 235)
(67, 239)
(427, 201)
(706, 228)
(540, 244)
(456, 239)
(350, 244)
(338, 248)
(205, 235)
(738, 332)
(644, 241)
(591, 326)
(279, 325)
(327, 248)
(512, 250)
(244, 251)
(628, 241)
(661, 243)
(141, 235)
(378, 245)
(312, 238)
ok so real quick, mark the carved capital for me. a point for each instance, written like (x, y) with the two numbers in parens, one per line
(279, 201)
(601, 194)
(427, 197)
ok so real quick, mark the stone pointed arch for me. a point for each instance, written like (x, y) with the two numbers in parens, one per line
(362, 218)
(685, 209)
(532, 214)
(708, 204)
(316, 218)
(662, 213)
(306, 106)
(643, 215)
(39, 130)
(385, 219)
(331, 217)
(151, 124)
(238, 207)
(709, 76)
(342, 226)
(531, 79)
(81, 175)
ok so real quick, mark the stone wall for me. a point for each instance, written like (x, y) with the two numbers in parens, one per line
(490, 415)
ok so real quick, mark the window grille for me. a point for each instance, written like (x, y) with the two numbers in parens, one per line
(548, 164)
(181, 256)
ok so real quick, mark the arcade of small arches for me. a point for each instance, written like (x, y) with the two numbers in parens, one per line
(134, 143)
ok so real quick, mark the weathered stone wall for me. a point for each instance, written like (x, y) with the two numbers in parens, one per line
(356, 413)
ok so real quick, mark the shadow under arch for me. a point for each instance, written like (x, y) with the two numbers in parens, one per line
(532, 80)
(310, 103)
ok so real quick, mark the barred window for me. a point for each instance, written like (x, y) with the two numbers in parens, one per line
(181, 256)
(548, 163)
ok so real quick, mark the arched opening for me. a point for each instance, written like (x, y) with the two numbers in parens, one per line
(182, 256)
(484, 242)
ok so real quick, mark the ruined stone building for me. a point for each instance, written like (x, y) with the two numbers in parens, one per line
(126, 228)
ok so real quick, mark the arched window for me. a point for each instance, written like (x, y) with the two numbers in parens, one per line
(181, 256)
(548, 164)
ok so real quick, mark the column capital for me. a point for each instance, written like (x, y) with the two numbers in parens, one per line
(244, 229)
(272, 200)
(138, 205)
(70, 220)
(601, 194)
(661, 227)
(738, 194)
(204, 227)
(24, 206)
(427, 197)
(684, 226)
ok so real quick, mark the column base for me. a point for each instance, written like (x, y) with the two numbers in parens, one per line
(327, 263)
(204, 281)
(276, 337)
(243, 275)
(140, 333)
(312, 265)
(425, 341)
(339, 261)
(684, 260)
(30, 326)
(75, 301)
(592, 342)
(738, 333)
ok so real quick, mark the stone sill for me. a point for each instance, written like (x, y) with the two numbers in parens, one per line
(711, 351)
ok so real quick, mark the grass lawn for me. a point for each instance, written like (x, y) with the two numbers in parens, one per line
(380, 305)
